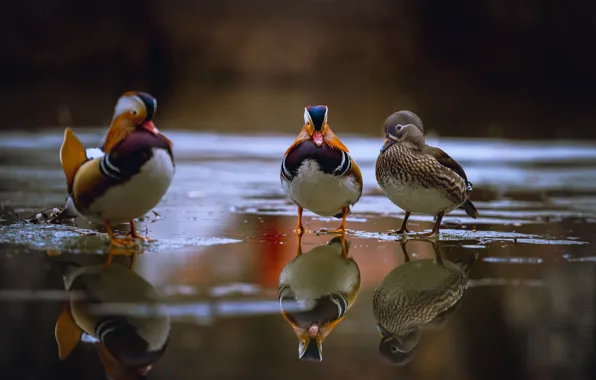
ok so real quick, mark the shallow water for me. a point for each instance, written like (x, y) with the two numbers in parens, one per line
(224, 234)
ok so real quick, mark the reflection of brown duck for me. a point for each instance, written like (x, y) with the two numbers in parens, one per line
(128, 344)
(415, 295)
(316, 289)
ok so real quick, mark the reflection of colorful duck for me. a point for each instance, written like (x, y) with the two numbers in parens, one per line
(316, 289)
(415, 295)
(101, 305)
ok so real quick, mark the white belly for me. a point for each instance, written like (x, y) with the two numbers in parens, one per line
(418, 199)
(322, 193)
(138, 195)
(320, 272)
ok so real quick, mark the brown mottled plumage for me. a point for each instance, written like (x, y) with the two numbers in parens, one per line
(419, 178)
(415, 295)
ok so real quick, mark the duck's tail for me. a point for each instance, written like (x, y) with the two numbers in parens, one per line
(470, 209)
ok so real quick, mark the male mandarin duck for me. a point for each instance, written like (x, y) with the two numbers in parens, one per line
(128, 344)
(419, 178)
(318, 173)
(129, 177)
(315, 291)
(417, 295)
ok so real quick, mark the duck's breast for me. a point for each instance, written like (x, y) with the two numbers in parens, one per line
(319, 178)
(132, 179)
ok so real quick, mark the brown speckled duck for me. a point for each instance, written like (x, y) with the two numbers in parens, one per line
(415, 296)
(419, 178)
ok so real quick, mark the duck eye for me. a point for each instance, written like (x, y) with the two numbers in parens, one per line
(394, 349)
(134, 112)
(398, 128)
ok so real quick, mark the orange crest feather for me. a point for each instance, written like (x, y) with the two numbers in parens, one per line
(120, 129)
(334, 142)
(302, 137)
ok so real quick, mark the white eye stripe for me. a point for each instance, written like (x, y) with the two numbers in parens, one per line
(307, 119)
(125, 104)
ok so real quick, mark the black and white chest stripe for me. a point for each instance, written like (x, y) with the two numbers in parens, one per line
(327, 308)
(289, 167)
(110, 170)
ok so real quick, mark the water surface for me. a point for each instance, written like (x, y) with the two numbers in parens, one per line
(224, 234)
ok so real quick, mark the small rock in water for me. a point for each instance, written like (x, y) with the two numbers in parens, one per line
(55, 215)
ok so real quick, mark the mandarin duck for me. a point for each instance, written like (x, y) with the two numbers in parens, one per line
(315, 291)
(318, 173)
(131, 173)
(419, 178)
(417, 295)
(128, 343)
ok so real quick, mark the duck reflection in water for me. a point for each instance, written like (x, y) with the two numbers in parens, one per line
(315, 291)
(120, 310)
(416, 295)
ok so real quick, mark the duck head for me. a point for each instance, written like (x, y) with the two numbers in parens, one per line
(403, 126)
(315, 122)
(133, 111)
(398, 349)
(316, 129)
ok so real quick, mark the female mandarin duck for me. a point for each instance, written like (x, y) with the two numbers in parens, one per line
(318, 173)
(415, 296)
(419, 178)
(316, 289)
(131, 176)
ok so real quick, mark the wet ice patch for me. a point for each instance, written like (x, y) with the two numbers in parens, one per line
(177, 243)
(79, 240)
(513, 260)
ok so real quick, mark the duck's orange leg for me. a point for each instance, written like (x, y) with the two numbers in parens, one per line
(342, 227)
(118, 242)
(133, 232)
(299, 229)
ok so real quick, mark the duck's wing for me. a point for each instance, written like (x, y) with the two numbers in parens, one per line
(445, 160)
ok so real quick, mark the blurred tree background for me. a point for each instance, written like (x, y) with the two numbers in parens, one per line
(478, 68)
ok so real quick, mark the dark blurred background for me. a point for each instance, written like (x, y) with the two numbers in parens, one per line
(478, 68)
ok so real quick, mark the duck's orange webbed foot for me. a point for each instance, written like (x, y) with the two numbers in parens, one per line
(126, 242)
(341, 230)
